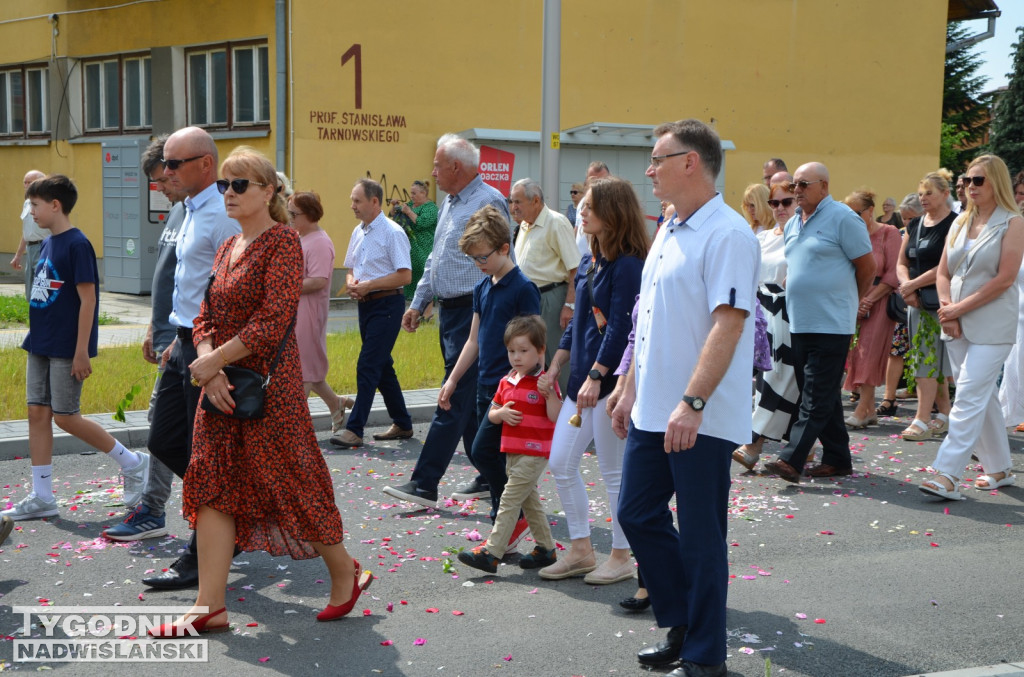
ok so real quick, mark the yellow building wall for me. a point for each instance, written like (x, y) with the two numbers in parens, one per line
(856, 85)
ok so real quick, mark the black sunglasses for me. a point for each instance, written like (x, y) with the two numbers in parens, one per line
(237, 185)
(976, 180)
(174, 164)
(785, 202)
(574, 192)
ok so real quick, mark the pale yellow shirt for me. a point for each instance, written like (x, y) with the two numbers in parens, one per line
(546, 250)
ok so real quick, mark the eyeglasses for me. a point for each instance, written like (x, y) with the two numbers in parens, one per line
(574, 192)
(481, 259)
(976, 180)
(174, 164)
(294, 215)
(237, 185)
(802, 185)
(785, 202)
(656, 160)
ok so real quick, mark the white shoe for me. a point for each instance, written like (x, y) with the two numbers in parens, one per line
(135, 481)
(30, 508)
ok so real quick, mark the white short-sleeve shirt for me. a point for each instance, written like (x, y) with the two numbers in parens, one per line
(694, 267)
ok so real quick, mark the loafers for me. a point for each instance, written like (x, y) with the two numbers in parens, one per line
(609, 573)
(184, 573)
(636, 604)
(783, 470)
(688, 669)
(563, 568)
(826, 470)
(393, 433)
(666, 651)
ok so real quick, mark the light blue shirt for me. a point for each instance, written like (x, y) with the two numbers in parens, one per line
(376, 249)
(206, 228)
(821, 284)
(447, 272)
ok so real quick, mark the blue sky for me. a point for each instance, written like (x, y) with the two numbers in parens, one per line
(997, 52)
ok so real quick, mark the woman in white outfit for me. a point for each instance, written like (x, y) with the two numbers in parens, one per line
(978, 311)
(1011, 391)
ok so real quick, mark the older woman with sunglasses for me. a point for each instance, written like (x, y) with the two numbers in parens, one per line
(979, 303)
(776, 392)
(418, 218)
(258, 483)
(306, 211)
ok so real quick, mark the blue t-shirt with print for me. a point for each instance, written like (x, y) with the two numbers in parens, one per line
(65, 261)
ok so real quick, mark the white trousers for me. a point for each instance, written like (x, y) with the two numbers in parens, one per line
(976, 423)
(567, 447)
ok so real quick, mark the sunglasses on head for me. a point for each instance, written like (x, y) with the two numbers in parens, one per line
(239, 186)
(174, 164)
(976, 180)
(785, 202)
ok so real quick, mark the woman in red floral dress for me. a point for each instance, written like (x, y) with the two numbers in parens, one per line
(259, 483)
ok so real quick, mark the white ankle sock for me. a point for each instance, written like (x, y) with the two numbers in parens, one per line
(42, 481)
(125, 457)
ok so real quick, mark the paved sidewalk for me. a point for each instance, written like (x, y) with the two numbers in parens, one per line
(134, 432)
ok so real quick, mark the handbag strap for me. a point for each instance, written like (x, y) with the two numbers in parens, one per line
(284, 339)
(590, 290)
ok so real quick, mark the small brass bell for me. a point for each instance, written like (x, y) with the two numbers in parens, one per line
(575, 421)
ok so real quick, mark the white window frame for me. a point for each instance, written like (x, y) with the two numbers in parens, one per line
(87, 96)
(259, 74)
(26, 107)
(230, 93)
(145, 111)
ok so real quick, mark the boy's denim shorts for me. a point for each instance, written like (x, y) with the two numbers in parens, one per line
(49, 383)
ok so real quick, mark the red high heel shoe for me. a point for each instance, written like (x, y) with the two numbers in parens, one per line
(173, 631)
(361, 581)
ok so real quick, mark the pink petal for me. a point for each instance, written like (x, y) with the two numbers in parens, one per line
(432, 610)
(819, 621)
(419, 641)
(458, 613)
(264, 659)
(386, 642)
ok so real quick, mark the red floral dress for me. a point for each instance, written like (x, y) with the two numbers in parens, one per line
(269, 473)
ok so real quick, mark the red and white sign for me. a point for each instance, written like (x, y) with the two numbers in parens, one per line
(496, 168)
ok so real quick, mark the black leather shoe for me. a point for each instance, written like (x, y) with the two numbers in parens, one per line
(636, 604)
(666, 651)
(184, 573)
(688, 669)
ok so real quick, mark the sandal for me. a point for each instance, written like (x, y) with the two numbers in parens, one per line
(855, 423)
(1008, 479)
(855, 397)
(744, 458)
(338, 417)
(917, 431)
(1019, 428)
(887, 409)
(938, 427)
(936, 487)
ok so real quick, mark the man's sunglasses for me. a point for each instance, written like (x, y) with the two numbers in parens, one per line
(174, 164)
(785, 202)
(239, 186)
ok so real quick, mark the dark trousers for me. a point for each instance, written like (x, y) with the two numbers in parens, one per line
(819, 361)
(485, 454)
(459, 422)
(380, 320)
(686, 571)
(174, 413)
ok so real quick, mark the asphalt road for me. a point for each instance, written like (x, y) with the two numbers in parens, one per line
(865, 576)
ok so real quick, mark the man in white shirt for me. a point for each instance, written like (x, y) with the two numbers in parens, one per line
(688, 398)
(32, 236)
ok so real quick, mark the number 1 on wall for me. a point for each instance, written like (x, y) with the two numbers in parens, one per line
(356, 51)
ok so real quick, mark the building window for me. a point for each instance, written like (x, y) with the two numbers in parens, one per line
(118, 94)
(229, 92)
(23, 101)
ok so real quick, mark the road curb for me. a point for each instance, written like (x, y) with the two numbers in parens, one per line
(1001, 670)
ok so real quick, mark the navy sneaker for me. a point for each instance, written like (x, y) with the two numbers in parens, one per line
(480, 558)
(137, 525)
(538, 558)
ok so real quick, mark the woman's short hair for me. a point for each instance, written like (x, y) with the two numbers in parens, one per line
(248, 163)
(309, 204)
(784, 186)
(424, 185)
(614, 201)
(486, 227)
(940, 180)
(859, 200)
(757, 194)
(912, 204)
(1018, 180)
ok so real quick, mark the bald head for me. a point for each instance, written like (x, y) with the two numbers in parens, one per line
(32, 175)
(781, 177)
(190, 160)
(812, 171)
(810, 185)
(194, 141)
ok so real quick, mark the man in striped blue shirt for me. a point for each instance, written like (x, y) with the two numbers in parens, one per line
(449, 277)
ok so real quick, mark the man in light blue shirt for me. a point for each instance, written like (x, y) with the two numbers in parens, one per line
(449, 275)
(831, 266)
(190, 163)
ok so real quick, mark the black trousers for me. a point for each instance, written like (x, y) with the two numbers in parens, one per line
(819, 360)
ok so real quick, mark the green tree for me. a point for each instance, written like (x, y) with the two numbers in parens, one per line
(962, 107)
(949, 153)
(1007, 129)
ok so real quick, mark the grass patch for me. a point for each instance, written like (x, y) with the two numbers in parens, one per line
(13, 311)
(417, 361)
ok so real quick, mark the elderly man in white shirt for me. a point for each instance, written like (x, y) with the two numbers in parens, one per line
(688, 398)
(32, 236)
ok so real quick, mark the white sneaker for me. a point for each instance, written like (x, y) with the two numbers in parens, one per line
(135, 481)
(30, 508)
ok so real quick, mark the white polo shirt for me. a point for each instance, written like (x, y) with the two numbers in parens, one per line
(709, 260)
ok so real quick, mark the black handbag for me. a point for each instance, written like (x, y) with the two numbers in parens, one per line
(896, 307)
(928, 296)
(250, 386)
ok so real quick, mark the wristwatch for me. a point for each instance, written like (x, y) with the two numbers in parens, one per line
(596, 375)
(696, 403)
(571, 306)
